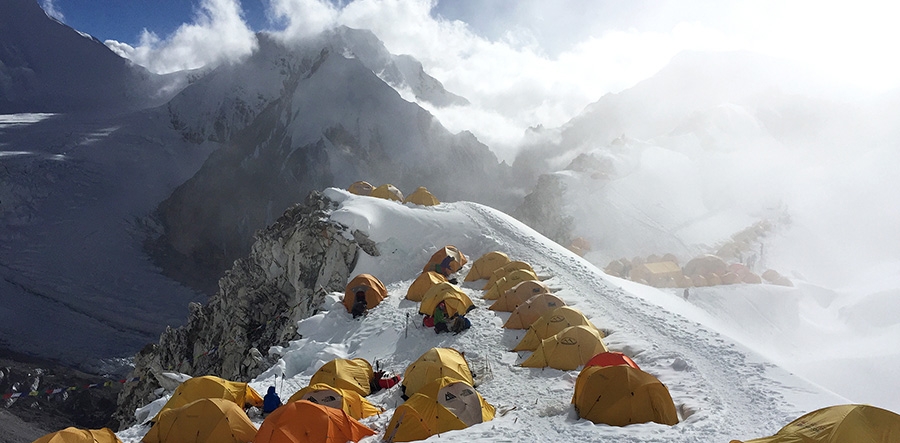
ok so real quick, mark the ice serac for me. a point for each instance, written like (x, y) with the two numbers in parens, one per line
(333, 121)
(291, 266)
(46, 66)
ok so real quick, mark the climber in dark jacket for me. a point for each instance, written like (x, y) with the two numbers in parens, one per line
(271, 401)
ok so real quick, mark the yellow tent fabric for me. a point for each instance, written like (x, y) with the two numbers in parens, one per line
(504, 270)
(435, 364)
(456, 262)
(622, 395)
(370, 285)
(387, 191)
(839, 424)
(486, 265)
(528, 312)
(353, 375)
(519, 294)
(344, 399)
(208, 420)
(422, 284)
(306, 422)
(443, 405)
(567, 350)
(422, 197)
(504, 284)
(210, 386)
(550, 324)
(75, 435)
(361, 188)
(456, 301)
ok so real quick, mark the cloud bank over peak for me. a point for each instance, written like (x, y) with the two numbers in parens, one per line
(218, 34)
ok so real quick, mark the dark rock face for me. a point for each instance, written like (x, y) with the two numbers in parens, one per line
(291, 266)
(542, 210)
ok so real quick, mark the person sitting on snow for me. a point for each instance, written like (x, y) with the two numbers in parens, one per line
(440, 318)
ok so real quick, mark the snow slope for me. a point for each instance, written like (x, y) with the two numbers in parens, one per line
(721, 388)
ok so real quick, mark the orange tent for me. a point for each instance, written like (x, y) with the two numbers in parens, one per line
(486, 265)
(388, 191)
(611, 358)
(75, 435)
(528, 312)
(839, 424)
(306, 422)
(622, 395)
(209, 386)
(567, 350)
(422, 197)
(341, 373)
(506, 269)
(208, 420)
(434, 364)
(504, 284)
(371, 286)
(361, 188)
(455, 262)
(422, 284)
(347, 400)
(550, 324)
(456, 301)
(518, 294)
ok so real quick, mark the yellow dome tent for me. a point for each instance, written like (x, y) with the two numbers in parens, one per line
(422, 284)
(839, 424)
(361, 188)
(550, 324)
(388, 191)
(456, 301)
(567, 350)
(518, 294)
(455, 263)
(346, 400)
(208, 420)
(504, 284)
(622, 395)
(528, 312)
(434, 364)
(209, 386)
(422, 197)
(303, 421)
(75, 435)
(486, 265)
(368, 284)
(445, 404)
(504, 270)
(354, 375)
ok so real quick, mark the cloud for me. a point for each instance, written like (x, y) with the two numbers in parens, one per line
(50, 8)
(218, 34)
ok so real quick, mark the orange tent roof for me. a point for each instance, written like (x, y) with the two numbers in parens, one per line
(353, 374)
(75, 435)
(528, 312)
(373, 288)
(622, 395)
(306, 422)
(611, 358)
(486, 265)
(519, 294)
(361, 188)
(457, 261)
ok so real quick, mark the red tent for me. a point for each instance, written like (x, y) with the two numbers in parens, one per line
(605, 359)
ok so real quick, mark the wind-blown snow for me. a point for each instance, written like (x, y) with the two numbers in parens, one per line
(722, 389)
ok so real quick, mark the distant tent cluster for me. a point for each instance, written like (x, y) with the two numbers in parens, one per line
(611, 388)
(733, 263)
(421, 196)
(705, 270)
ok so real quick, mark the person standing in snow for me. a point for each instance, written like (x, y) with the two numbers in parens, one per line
(271, 401)
(359, 304)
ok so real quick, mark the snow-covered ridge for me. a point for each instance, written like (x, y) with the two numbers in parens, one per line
(721, 389)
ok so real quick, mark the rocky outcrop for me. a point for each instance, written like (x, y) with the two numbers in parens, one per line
(543, 210)
(292, 265)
